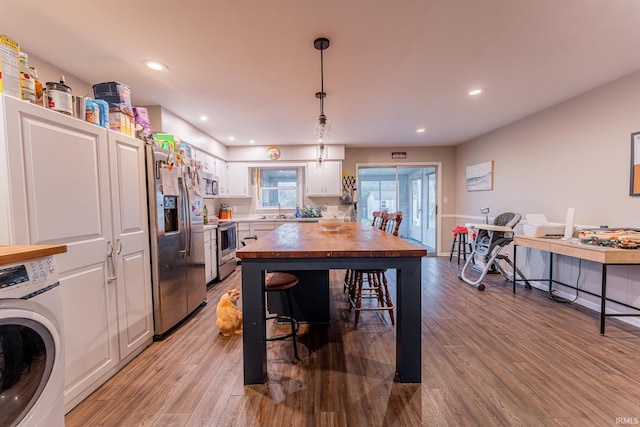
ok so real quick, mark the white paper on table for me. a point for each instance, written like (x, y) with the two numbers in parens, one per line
(169, 181)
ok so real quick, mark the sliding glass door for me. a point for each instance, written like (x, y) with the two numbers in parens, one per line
(410, 189)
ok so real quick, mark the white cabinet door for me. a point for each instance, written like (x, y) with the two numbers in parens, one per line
(210, 255)
(221, 173)
(237, 180)
(208, 165)
(260, 228)
(131, 242)
(324, 180)
(60, 181)
(213, 260)
(207, 256)
(219, 166)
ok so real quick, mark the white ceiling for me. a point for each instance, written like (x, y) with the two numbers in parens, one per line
(392, 67)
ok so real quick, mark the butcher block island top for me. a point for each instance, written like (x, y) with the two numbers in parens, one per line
(310, 240)
(18, 253)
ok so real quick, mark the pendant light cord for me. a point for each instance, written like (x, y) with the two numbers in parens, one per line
(321, 82)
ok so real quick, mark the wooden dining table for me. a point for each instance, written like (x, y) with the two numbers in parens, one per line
(304, 246)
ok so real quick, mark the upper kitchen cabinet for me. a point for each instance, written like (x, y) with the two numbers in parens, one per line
(206, 159)
(325, 179)
(65, 181)
(234, 180)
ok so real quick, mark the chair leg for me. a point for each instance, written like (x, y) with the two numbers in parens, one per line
(453, 247)
(294, 326)
(358, 296)
(387, 296)
(349, 277)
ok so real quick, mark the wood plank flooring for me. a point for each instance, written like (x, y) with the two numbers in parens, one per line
(489, 358)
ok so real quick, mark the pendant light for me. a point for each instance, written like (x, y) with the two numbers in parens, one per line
(323, 126)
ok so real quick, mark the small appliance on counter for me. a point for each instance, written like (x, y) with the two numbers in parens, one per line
(538, 226)
(224, 212)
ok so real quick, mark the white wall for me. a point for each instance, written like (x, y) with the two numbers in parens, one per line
(575, 154)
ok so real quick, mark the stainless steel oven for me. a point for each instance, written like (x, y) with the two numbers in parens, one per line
(227, 245)
(210, 183)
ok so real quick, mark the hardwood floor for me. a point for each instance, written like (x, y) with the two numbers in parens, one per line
(489, 358)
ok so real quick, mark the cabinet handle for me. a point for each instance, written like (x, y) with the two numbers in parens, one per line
(111, 267)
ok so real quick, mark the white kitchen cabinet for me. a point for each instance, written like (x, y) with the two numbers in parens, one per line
(325, 179)
(244, 230)
(210, 254)
(219, 167)
(235, 180)
(221, 173)
(70, 182)
(131, 242)
(260, 228)
(207, 161)
(255, 228)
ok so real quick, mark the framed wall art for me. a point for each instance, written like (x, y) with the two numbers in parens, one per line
(480, 176)
(634, 186)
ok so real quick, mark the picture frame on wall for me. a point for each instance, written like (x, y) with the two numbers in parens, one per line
(480, 176)
(634, 185)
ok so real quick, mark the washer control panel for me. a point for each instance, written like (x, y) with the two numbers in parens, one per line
(18, 279)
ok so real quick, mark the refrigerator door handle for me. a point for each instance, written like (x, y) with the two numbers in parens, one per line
(187, 220)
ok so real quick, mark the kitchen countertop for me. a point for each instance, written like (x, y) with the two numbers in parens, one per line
(18, 253)
(269, 218)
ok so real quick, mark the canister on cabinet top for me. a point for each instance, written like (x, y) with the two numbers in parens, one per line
(59, 97)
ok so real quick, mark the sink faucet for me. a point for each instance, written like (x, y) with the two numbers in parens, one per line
(279, 210)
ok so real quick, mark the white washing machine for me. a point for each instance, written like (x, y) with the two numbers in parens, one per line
(32, 366)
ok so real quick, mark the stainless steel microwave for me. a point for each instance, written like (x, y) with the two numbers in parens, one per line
(210, 184)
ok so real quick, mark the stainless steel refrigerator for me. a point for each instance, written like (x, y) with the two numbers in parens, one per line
(177, 239)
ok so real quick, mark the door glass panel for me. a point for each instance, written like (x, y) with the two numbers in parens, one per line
(410, 189)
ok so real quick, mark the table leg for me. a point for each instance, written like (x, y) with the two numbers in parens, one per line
(408, 325)
(603, 302)
(515, 251)
(253, 324)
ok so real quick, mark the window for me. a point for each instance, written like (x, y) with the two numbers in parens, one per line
(279, 186)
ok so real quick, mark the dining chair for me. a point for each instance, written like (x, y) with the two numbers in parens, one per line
(372, 284)
(349, 276)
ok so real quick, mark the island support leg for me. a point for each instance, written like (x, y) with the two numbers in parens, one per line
(254, 333)
(408, 325)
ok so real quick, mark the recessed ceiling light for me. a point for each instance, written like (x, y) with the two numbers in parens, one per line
(155, 65)
(204, 118)
(232, 138)
(476, 92)
(421, 130)
(252, 142)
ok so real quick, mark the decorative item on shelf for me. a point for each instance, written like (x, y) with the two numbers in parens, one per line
(350, 194)
(323, 125)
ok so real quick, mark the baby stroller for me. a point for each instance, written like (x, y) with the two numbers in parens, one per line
(486, 249)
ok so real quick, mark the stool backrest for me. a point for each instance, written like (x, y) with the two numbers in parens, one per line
(391, 222)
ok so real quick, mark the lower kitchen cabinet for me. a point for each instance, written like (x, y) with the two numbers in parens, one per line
(69, 182)
(255, 228)
(210, 254)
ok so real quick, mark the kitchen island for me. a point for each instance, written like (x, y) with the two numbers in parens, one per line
(307, 246)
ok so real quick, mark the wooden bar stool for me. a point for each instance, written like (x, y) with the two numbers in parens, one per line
(372, 284)
(461, 243)
(283, 282)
